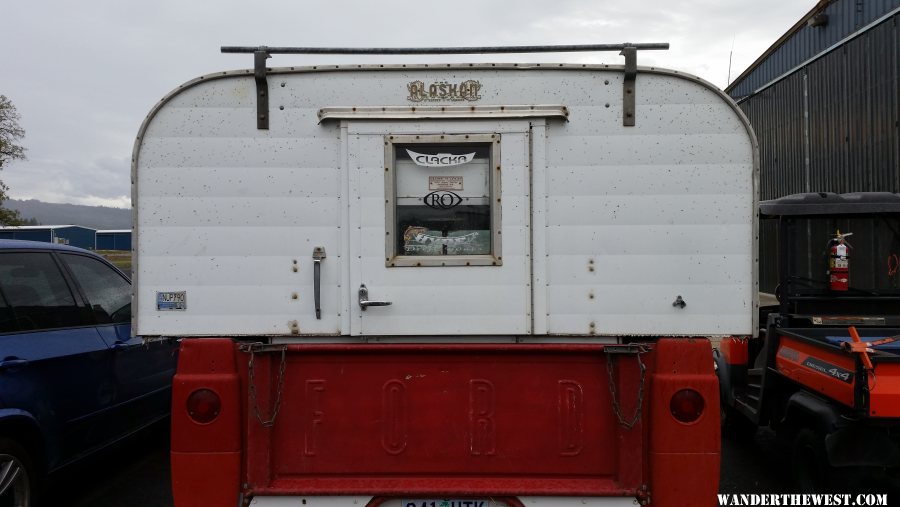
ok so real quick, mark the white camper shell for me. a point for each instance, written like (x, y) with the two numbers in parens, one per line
(497, 201)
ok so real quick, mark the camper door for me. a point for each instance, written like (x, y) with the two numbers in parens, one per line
(439, 228)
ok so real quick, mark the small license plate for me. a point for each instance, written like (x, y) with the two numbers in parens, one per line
(171, 301)
(451, 502)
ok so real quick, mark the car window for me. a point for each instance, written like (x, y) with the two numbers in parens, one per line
(108, 293)
(35, 289)
(7, 320)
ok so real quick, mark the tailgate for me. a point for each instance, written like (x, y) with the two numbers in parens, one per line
(449, 419)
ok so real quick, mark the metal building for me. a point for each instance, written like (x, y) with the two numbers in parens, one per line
(75, 235)
(824, 102)
(119, 239)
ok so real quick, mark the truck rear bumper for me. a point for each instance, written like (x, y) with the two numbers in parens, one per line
(523, 501)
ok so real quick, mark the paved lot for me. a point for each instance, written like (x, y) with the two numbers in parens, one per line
(136, 474)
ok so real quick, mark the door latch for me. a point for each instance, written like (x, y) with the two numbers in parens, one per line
(364, 299)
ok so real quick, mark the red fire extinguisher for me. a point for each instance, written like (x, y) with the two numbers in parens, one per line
(839, 262)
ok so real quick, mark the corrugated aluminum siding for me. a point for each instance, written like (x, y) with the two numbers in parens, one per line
(781, 137)
(852, 96)
(844, 18)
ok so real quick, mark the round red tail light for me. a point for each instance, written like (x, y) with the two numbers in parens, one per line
(204, 405)
(687, 405)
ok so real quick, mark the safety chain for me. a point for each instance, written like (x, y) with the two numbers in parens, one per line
(252, 348)
(637, 351)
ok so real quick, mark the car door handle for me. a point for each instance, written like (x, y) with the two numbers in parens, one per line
(12, 362)
(364, 299)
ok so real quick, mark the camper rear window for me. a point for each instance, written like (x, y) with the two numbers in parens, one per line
(442, 203)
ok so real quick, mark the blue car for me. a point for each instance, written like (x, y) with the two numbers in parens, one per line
(72, 378)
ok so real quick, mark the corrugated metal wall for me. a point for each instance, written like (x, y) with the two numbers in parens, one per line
(75, 235)
(27, 234)
(832, 125)
(113, 240)
(844, 18)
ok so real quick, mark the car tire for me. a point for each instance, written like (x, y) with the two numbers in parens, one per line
(18, 480)
(810, 463)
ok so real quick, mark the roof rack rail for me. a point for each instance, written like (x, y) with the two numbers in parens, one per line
(261, 53)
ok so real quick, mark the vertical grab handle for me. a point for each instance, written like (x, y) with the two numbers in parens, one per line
(318, 256)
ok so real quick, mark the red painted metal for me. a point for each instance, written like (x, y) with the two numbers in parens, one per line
(859, 347)
(884, 397)
(444, 420)
(206, 458)
(791, 361)
(684, 457)
(203, 479)
(413, 418)
(734, 350)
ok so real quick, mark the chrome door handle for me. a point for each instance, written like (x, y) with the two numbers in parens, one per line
(318, 256)
(364, 299)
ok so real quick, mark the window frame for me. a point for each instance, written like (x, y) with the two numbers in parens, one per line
(392, 257)
(85, 316)
(76, 283)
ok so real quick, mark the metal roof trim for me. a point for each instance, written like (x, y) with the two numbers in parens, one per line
(827, 203)
(819, 7)
(449, 112)
(828, 50)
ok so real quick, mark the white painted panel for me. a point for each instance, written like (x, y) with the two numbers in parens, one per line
(224, 240)
(624, 211)
(224, 310)
(223, 152)
(665, 240)
(226, 212)
(646, 269)
(539, 255)
(243, 182)
(224, 121)
(626, 151)
(194, 211)
(638, 216)
(658, 120)
(664, 208)
(652, 180)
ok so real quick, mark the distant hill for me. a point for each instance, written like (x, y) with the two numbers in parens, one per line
(95, 217)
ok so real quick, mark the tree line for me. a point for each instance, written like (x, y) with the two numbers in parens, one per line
(10, 149)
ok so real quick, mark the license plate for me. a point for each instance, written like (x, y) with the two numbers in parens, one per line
(171, 301)
(451, 502)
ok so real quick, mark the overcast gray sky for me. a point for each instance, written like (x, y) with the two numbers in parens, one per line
(83, 74)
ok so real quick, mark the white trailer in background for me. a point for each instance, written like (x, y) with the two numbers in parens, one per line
(496, 252)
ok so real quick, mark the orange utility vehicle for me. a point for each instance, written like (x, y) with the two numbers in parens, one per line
(825, 370)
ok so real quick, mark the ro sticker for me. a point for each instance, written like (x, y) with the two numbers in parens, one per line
(166, 301)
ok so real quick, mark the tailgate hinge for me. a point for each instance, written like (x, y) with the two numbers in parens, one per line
(628, 86)
(262, 88)
(626, 348)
